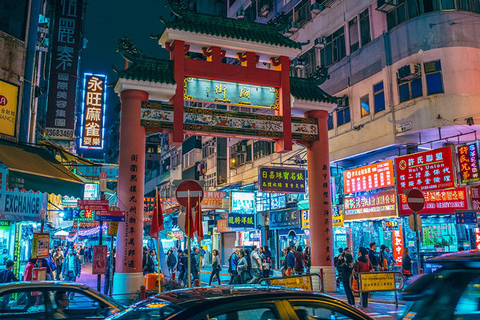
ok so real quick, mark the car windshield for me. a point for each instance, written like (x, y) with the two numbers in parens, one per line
(150, 309)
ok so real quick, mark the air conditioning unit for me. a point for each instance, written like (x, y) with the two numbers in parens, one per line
(320, 42)
(409, 71)
(298, 63)
(265, 10)
(240, 13)
(386, 5)
(316, 8)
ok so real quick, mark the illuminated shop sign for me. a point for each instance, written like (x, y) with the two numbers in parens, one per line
(374, 176)
(376, 205)
(223, 92)
(337, 216)
(287, 218)
(236, 220)
(93, 111)
(66, 48)
(214, 200)
(290, 180)
(467, 157)
(438, 202)
(243, 202)
(8, 108)
(428, 170)
(475, 197)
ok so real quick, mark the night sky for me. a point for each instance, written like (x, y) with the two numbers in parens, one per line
(108, 20)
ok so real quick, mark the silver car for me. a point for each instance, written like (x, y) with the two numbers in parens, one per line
(41, 300)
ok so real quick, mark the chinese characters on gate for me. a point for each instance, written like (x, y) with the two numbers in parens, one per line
(467, 156)
(223, 92)
(282, 180)
(66, 46)
(428, 170)
(93, 112)
(375, 176)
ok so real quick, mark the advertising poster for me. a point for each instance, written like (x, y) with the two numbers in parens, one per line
(99, 265)
(8, 107)
(243, 202)
(40, 245)
(214, 200)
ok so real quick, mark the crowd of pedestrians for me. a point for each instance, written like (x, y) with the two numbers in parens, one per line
(249, 267)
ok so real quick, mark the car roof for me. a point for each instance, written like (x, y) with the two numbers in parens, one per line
(457, 257)
(188, 298)
(41, 284)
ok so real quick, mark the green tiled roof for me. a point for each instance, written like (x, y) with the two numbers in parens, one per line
(161, 71)
(307, 89)
(149, 69)
(231, 28)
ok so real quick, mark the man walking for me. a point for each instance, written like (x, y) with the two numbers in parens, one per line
(71, 267)
(372, 256)
(58, 258)
(345, 263)
(7, 276)
(256, 266)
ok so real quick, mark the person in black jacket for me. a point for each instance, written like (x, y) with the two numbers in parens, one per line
(372, 256)
(345, 263)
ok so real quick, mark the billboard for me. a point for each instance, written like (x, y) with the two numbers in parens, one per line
(8, 108)
(375, 205)
(439, 202)
(214, 200)
(467, 157)
(428, 170)
(66, 47)
(243, 202)
(374, 176)
(236, 221)
(273, 179)
(92, 129)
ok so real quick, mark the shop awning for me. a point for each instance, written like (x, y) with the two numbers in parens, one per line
(33, 168)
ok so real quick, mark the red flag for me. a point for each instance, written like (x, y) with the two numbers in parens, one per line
(157, 219)
(198, 221)
(189, 223)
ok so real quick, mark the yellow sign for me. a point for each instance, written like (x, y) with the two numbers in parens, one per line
(112, 228)
(301, 282)
(40, 245)
(305, 219)
(337, 219)
(377, 281)
(8, 107)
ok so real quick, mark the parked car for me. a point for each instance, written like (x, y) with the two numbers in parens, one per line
(54, 300)
(240, 302)
(451, 291)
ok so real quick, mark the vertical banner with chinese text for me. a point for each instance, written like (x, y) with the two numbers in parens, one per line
(66, 48)
(93, 111)
(467, 156)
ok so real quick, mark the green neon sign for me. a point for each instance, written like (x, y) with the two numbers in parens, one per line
(232, 93)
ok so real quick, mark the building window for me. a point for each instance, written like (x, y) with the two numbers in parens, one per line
(343, 116)
(433, 74)
(365, 27)
(365, 106)
(334, 50)
(302, 12)
(409, 89)
(188, 159)
(330, 121)
(379, 97)
(353, 34)
(262, 148)
(310, 60)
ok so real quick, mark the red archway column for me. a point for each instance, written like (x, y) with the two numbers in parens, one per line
(321, 235)
(131, 181)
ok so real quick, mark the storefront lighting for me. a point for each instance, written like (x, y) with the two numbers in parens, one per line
(61, 214)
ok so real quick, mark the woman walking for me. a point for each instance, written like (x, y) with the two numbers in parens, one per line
(266, 261)
(406, 264)
(216, 267)
(298, 260)
(171, 261)
(242, 268)
(307, 260)
(363, 265)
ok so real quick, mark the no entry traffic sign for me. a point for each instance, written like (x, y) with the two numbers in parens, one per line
(189, 187)
(415, 200)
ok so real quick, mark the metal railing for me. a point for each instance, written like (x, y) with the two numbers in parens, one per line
(377, 281)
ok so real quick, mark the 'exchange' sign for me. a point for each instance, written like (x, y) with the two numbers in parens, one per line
(290, 180)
